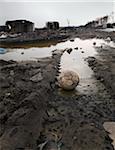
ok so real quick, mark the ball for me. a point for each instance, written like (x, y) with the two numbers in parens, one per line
(68, 80)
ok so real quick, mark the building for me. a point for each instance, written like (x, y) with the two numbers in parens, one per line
(52, 25)
(20, 26)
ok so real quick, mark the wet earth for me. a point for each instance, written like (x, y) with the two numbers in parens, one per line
(35, 114)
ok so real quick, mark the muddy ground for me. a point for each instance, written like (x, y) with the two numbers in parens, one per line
(34, 115)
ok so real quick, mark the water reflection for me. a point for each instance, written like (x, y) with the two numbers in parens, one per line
(75, 61)
(72, 59)
(85, 48)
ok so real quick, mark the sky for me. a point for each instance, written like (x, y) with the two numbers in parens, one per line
(77, 12)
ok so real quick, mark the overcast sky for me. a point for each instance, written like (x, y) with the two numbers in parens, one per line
(40, 12)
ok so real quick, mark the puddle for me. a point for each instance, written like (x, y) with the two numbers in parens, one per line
(75, 60)
(110, 127)
(72, 59)
(44, 50)
(26, 54)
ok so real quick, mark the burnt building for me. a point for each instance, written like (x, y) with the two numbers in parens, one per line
(52, 25)
(4, 28)
(20, 26)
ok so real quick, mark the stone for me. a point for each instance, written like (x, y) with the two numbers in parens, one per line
(69, 50)
(68, 80)
(22, 53)
(36, 78)
(12, 73)
(108, 39)
(76, 48)
(94, 43)
(72, 40)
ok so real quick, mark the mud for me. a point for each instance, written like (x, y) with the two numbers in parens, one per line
(35, 115)
(104, 67)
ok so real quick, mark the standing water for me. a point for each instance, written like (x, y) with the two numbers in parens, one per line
(73, 59)
(33, 53)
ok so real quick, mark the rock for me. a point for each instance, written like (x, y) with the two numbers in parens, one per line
(72, 40)
(91, 60)
(94, 43)
(101, 46)
(22, 53)
(108, 39)
(36, 78)
(50, 145)
(56, 51)
(68, 80)
(8, 94)
(12, 73)
(69, 50)
(76, 48)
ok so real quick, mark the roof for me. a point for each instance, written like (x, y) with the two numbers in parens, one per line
(19, 21)
(52, 22)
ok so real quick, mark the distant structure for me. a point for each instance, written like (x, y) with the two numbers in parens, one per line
(52, 25)
(68, 22)
(99, 22)
(111, 18)
(4, 28)
(20, 26)
(103, 22)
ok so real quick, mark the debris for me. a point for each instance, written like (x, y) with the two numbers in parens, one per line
(8, 94)
(69, 50)
(41, 146)
(36, 78)
(2, 50)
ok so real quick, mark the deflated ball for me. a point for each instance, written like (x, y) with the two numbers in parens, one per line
(68, 80)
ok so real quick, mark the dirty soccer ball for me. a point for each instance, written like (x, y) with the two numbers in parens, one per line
(68, 80)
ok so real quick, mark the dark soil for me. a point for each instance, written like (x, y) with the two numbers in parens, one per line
(34, 115)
